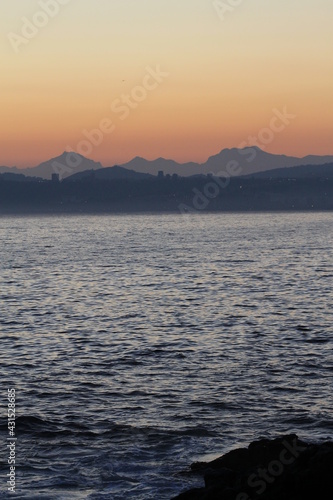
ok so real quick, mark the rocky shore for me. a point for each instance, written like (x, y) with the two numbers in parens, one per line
(285, 468)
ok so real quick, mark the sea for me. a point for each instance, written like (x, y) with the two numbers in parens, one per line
(138, 344)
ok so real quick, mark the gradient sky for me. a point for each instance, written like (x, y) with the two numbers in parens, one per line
(225, 77)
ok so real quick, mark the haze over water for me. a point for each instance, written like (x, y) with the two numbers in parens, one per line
(139, 344)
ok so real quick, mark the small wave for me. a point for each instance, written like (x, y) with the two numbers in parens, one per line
(317, 341)
(28, 423)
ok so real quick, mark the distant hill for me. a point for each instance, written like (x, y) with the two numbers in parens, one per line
(108, 173)
(12, 170)
(152, 167)
(244, 161)
(300, 172)
(247, 161)
(9, 176)
(65, 165)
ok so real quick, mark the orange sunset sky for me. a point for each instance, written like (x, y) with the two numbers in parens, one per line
(225, 68)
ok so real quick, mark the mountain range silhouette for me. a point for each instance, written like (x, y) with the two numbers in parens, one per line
(246, 161)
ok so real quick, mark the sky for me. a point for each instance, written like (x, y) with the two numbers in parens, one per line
(181, 79)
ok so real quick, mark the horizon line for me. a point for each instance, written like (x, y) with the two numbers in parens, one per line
(163, 158)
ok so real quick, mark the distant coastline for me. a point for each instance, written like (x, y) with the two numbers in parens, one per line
(197, 194)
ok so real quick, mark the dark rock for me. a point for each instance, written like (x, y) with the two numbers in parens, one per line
(222, 476)
(284, 468)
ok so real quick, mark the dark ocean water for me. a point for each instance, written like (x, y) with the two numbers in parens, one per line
(139, 344)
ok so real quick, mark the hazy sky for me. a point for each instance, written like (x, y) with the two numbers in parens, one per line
(224, 68)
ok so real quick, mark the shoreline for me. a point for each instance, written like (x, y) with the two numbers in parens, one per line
(284, 468)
